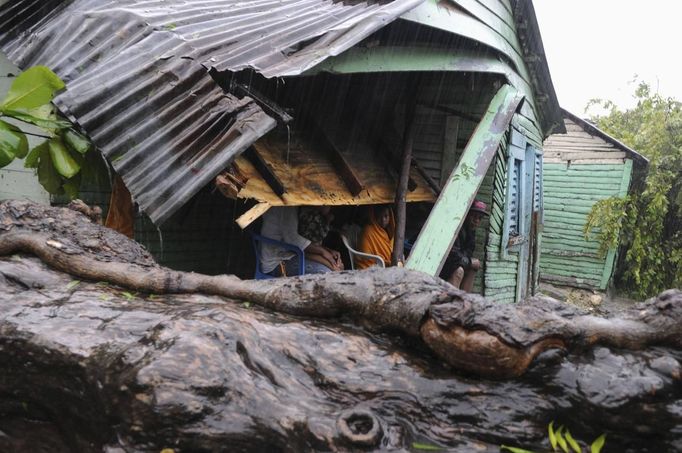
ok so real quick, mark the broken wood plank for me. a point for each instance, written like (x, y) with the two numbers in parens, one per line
(252, 214)
(446, 218)
(310, 178)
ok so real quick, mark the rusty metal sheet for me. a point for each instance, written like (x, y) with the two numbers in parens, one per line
(138, 81)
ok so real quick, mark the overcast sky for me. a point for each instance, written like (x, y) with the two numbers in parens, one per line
(595, 48)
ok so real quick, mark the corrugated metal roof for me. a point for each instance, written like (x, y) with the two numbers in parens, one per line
(137, 79)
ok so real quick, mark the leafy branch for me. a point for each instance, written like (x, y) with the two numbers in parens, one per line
(562, 439)
(648, 223)
(59, 159)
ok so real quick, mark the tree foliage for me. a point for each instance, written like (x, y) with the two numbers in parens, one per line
(648, 221)
(59, 159)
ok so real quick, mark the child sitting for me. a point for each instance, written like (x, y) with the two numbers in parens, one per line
(377, 236)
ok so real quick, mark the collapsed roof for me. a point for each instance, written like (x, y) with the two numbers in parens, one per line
(138, 80)
(138, 73)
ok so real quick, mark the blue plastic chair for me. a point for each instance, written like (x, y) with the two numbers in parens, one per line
(407, 247)
(256, 239)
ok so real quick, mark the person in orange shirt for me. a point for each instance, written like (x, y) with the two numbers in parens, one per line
(377, 236)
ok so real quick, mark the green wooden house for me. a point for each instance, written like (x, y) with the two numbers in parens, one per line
(581, 167)
(323, 98)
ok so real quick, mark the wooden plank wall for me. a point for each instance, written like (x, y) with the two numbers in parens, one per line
(580, 169)
(496, 27)
(500, 276)
(430, 137)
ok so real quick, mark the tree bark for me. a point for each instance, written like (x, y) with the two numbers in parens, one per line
(503, 339)
(157, 363)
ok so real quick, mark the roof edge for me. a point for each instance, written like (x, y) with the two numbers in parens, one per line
(594, 130)
(536, 61)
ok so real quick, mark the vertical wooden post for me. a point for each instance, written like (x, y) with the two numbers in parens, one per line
(406, 160)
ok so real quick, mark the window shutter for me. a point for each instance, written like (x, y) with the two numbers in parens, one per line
(537, 186)
(515, 191)
(514, 198)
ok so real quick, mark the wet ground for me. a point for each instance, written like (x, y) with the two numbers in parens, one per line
(596, 302)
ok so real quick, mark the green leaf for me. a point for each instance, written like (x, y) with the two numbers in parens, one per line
(72, 284)
(76, 141)
(514, 449)
(45, 111)
(41, 122)
(425, 447)
(246, 304)
(13, 143)
(32, 88)
(572, 442)
(552, 437)
(47, 175)
(560, 439)
(62, 160)
(128, 295)
(72, 186)
(33, 157)
(598, 444)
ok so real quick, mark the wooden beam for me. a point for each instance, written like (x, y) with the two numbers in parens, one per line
(429, 180)
(346, 172)
(451, 111)
(252, 214)
(343, 168)
(401, 191)
(445, 220)
(449, 158)
(393, 164)
(267, 105)
(266, 172)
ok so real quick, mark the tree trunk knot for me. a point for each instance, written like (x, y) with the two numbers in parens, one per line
(359, 427)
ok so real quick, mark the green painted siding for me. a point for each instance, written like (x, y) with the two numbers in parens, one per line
(500, 274)
(490, 22)
(570, 193)
(438, 234)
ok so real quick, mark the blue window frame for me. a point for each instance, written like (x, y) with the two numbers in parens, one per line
(514, 218)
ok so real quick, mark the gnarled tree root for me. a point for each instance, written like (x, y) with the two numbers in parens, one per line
(466, 330)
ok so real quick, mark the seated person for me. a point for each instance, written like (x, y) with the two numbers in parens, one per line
(281, 223)
(314, 223)
(460, 266)
(377, 236)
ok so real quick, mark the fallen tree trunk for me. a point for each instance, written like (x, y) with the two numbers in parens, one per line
(457, 326)
(91, 364)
